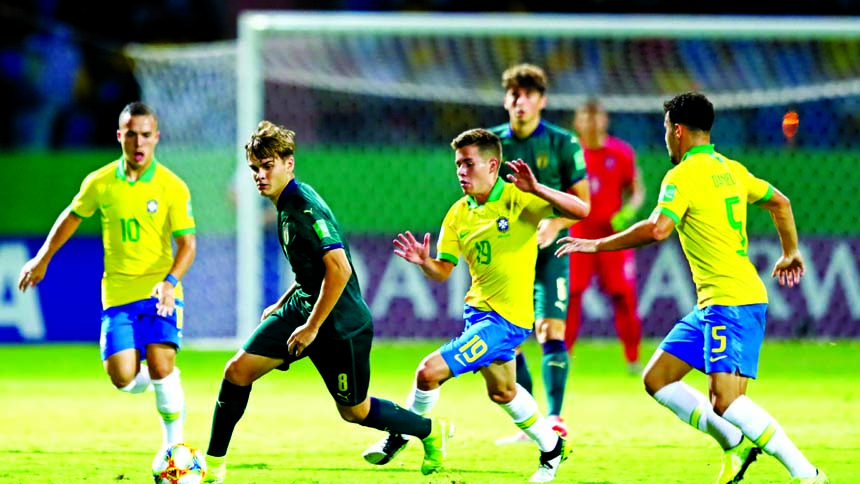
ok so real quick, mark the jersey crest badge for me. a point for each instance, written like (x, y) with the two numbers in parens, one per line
(542, 160)
(502, 224)
(668, 194)
(152, 206)
(321, 228)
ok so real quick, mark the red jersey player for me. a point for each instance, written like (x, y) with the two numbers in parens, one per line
(616, 194)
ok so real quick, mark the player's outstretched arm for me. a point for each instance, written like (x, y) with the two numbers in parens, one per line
(568, 205)
(34, 270)
(418, 253)
(655, 229)
(789, 268)
(549, 228)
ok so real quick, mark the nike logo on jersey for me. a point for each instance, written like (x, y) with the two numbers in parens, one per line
(309, 211)
(718, 358)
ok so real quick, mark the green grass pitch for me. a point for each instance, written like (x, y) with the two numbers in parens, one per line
(62, 422)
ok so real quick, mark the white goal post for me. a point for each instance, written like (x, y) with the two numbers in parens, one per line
(305, 66)
(436, 67)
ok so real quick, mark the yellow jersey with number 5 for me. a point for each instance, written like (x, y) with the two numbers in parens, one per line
(707, 196)
(498, 240)
(138, 220)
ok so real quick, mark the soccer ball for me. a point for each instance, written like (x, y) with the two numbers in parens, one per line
(179, 464)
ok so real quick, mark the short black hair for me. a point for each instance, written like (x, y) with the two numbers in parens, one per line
(691, 109)
(138, 108)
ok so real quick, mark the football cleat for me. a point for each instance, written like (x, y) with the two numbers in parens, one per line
(386, 449)
(549, 461)
(736, 461)
(434, 446)
(820, 478)
(216, 469)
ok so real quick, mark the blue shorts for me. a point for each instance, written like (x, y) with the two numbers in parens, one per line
(486, 338)
(719, 339)
(137, 324)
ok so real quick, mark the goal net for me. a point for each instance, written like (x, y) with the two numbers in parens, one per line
(375, 99)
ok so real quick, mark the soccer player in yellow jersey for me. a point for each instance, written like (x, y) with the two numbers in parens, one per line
(705, 196)
(494, 228)
(142, 205)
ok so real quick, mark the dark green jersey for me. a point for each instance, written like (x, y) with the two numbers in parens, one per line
(553, 153)
(307, 230)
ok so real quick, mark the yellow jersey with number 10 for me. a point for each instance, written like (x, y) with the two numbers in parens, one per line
(707, 196)
(498, 240)
(138, 220)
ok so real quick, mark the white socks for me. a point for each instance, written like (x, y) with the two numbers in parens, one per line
(140, 383)
(693, 407)
(767, 434)
(421, 402)
(523, 409)
(742, 418)
(170, 402)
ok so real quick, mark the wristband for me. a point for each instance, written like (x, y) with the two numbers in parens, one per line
(172, 279)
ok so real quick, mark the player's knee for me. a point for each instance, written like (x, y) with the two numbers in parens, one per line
(121, 376)
(549, 329)
(160, 369)
(351, 415)
(501, 392)
(540, 328)
(653, 381)
(502, 396)
(722, 402)
(425, 378)
(122, 382)
(431, 373)
(234, 374)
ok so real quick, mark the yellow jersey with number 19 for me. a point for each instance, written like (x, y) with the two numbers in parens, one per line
(498, 241)
(707, 196)
(138, 220)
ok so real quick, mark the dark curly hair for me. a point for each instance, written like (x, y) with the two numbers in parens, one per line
(690, 109)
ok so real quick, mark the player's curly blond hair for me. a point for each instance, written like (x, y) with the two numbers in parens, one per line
(271, 140)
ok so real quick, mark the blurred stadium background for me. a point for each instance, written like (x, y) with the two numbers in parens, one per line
(374, 116)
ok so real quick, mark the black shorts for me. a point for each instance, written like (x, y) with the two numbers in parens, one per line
(343, 364)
